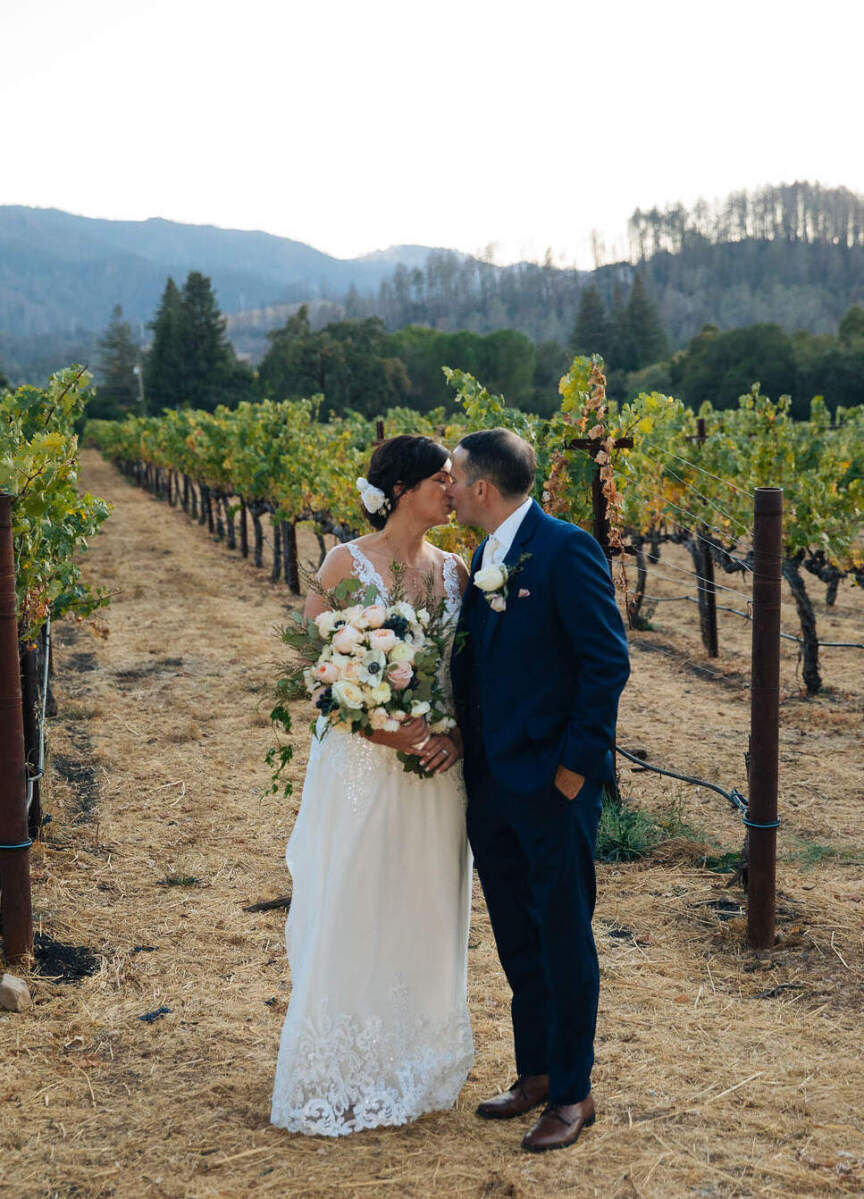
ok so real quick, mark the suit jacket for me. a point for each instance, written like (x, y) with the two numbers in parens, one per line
(538, 684)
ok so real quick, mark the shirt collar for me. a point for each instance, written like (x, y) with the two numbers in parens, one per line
(508, 528)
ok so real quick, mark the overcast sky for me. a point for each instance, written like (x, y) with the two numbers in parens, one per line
(355, 126)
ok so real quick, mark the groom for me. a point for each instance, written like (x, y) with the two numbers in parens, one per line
(536, 677)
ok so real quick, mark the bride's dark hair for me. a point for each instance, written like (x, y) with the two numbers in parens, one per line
(403, 461)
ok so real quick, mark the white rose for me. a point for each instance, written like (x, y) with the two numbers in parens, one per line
(380, 694)
(423, 616)
(325, 623)
(348, 695)
(443, 725)
(420, 707)
(490, 578)
(403, 652)
(353, 616)
(379, 719)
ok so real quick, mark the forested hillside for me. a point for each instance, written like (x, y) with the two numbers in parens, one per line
(792, 256)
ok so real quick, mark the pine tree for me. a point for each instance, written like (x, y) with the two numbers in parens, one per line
(592, 332)
(163, 371)
(210, 374)
(647, 340)
(118, 391)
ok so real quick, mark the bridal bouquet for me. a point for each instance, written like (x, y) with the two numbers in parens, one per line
(371, 666)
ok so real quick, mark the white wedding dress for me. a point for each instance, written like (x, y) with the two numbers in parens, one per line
(377, 1029)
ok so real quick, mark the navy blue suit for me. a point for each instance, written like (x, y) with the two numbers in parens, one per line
(537, 686)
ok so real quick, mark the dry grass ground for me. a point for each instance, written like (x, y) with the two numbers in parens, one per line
(719, 1072)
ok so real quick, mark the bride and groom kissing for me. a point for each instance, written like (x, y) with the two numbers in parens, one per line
(377, 1029)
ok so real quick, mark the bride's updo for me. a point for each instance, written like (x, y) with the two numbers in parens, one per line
(402, 462)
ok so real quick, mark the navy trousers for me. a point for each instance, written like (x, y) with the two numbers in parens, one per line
(535, 858)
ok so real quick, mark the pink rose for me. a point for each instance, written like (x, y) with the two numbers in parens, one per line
(399, 675)
(351, 671)
(325, 672)
(345, 640)
(374, 616)
(383, 639)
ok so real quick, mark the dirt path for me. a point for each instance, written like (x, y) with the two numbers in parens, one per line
(719, 1073)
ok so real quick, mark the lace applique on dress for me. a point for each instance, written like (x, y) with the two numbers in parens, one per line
(363, 570)
(452, 593)
(353, 1072)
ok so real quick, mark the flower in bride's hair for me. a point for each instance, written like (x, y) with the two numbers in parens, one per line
(399, 675)
(345, 640)
(348, 695)
(379, 719)
(401, 652)
(374, 616)
(373, 497)
(325, 672)
(383, 639)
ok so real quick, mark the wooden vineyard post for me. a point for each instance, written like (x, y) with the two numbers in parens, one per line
(600, 529)
(762, 819)
(705, 588)
(14, 839)
(291, 566)
(600, 519)
(379, 432)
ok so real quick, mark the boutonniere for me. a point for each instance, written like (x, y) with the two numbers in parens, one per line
(494, 582)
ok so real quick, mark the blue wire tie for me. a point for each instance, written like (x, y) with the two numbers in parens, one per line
(20, 845)
(756, 824)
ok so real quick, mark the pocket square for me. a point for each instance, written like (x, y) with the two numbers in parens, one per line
(523, 593)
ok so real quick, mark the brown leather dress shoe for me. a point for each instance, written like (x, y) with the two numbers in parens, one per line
(525, 1094)
(559, 1126)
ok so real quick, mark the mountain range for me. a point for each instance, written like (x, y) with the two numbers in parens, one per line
(63, 274)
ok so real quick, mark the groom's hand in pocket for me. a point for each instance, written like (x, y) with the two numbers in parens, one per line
(568, 782)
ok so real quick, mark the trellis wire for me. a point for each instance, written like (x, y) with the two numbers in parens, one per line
(717, 478)
(692, 599)
(704, 498)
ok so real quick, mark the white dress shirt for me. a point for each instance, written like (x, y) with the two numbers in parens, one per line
(498, 544)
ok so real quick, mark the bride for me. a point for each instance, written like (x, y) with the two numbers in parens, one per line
(377, 1028)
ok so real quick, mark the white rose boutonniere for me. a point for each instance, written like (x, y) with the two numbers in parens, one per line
(494, 582)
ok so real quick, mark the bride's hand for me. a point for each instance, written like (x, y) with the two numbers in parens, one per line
(411, 734)
(441, 751)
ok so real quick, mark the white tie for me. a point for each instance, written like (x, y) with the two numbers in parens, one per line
(490, 552)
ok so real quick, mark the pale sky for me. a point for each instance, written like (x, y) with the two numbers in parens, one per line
(355, 126)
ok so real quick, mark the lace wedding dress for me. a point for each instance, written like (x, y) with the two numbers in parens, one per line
(377, 1028)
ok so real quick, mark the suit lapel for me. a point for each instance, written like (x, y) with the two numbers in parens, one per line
(523, 535)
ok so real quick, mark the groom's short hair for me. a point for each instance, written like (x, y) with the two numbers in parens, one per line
(502, 457)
